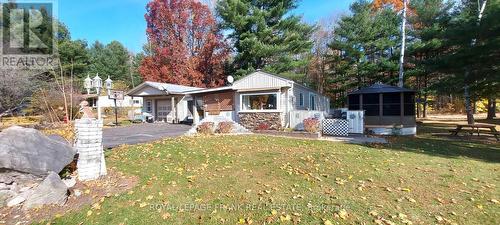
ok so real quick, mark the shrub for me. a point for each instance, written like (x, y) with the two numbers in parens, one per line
(206, 128)
(311, 125)
(225, 127)
(263, 126)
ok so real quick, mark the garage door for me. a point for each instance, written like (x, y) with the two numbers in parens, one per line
(164, 108)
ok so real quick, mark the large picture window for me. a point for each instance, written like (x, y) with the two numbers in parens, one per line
(260, 101)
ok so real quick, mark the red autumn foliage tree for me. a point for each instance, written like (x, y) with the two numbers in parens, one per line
(186, 45)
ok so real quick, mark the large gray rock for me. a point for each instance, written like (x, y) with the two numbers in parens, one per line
(51, 191)
(5, 195)
(28, 150)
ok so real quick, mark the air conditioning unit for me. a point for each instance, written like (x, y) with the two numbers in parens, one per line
(356, 120)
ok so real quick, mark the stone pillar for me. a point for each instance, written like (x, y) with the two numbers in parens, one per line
(88, 144)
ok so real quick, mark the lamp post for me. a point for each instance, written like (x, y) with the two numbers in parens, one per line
(109, 86)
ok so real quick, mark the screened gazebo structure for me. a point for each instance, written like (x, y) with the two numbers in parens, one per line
(389, 110)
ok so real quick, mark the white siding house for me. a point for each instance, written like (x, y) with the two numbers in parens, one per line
(258, 99)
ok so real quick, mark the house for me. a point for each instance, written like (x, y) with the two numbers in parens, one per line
(164, 102)
(258, 99)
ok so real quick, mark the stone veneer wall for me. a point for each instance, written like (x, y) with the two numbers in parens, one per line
(88, 143)
(252, 120)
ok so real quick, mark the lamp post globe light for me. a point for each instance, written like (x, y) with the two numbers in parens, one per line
(87, 84)
(109, 85)
(97, 83)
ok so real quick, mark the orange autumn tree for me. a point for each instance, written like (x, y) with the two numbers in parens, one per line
(397, 4)
(186, 46)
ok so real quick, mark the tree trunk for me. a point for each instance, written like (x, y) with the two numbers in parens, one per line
(425, 106)
(403, 46)
(492, 105)
(468, 107)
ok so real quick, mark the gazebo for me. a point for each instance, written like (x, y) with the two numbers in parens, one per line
(389, 110)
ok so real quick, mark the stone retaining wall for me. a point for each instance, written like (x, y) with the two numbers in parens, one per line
(88, 144)
(252, 120)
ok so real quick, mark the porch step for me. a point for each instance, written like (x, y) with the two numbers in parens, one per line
(237, 128)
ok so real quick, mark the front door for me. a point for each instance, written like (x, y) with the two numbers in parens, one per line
(164, 107)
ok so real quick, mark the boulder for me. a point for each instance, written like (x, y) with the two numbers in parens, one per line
(51, 191)
(28, 150)
(15, 201)
(5, 195)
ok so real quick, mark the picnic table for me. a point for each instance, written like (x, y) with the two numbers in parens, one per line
(475, 128)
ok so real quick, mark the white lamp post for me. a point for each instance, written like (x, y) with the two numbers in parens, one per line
(96, 83)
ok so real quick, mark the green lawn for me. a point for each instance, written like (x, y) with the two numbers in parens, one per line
(258, 179)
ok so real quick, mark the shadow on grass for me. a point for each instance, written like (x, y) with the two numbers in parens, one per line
(434, 140)
(448, 148)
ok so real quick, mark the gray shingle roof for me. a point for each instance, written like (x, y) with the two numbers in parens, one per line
(380, 88)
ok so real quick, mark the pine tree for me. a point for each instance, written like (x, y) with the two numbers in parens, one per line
(266, 36)
(428, 23)
(363, 49)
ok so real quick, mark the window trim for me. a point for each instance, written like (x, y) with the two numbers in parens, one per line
(278, 102)
(311, 107)
(151, 106)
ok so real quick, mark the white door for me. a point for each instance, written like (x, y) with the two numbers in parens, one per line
(163, 109)
(356, 121)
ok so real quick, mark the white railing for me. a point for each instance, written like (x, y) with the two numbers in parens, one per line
(297, 117)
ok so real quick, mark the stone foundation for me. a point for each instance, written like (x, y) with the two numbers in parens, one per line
(253, 120)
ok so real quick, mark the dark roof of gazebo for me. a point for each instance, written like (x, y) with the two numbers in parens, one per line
(380, 88)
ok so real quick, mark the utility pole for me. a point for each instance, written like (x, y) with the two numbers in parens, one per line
(403, 46)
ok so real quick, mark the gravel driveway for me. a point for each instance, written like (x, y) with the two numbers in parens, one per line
(140, 133)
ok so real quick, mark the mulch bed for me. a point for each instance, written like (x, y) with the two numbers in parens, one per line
(91, 192)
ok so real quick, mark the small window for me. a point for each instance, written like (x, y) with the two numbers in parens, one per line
(149, 106)
(301, 99)
(137, 102)
(260, 102)
(312, 102)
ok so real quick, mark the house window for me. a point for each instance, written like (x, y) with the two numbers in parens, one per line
(260, 101)
(149, 106)
(137, 102)
(312, 102)
(301, 99)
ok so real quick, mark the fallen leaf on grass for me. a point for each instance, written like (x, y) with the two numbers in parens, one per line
(165, 216)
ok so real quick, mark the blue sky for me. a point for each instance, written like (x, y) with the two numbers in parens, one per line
(123, 20)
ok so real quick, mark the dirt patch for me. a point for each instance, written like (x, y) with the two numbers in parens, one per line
(90, 192)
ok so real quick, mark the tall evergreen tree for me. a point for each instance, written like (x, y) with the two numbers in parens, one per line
(111, 60)
(364, 48)
(471, 61)
(428, 23)
(266, 36)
